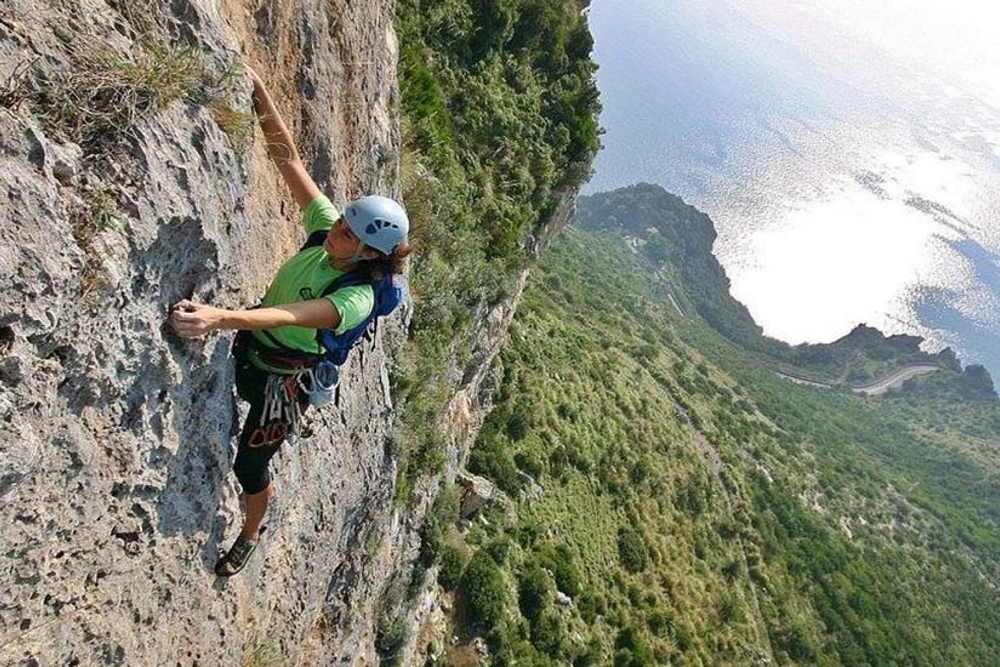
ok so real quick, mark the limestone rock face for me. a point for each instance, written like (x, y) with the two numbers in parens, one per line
(115, 436)
(477, 493)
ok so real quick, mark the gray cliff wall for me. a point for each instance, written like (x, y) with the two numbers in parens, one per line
(115, 436)
(115, 449)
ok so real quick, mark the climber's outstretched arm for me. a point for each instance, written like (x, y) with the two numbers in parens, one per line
(280, 145)
(190, 319)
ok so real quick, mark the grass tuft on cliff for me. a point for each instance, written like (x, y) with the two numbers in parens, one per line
(102, 94)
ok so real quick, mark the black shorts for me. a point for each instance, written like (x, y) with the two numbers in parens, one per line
(257, 443)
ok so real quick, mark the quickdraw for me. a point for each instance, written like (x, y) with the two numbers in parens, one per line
(281, 414)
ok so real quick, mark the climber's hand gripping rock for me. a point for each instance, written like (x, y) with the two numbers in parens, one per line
(190, 319)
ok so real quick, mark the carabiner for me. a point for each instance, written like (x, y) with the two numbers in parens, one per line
(277, 433)
(258, 438)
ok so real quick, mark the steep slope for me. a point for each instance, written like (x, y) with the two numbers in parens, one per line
(675, 503)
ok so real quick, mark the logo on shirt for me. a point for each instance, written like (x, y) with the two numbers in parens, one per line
(306, 293)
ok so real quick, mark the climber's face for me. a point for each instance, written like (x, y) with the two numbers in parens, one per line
(341, 244)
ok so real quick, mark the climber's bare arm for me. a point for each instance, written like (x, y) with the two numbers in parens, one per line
(280, 145)
(190, 319)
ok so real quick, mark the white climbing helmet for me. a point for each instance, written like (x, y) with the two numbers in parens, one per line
(379, 222)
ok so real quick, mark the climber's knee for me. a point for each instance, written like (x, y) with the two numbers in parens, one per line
(251, 471)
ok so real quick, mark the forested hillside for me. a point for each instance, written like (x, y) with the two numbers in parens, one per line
(499, 114)
(675, 503)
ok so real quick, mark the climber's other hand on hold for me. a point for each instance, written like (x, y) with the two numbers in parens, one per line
(190, 319)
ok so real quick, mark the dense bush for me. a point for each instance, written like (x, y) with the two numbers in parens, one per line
(534, 592)
(530, 463)
(490, 458)
(632, 550)
(485, 592)
(590, 605)
(499, 549)
(548, 633)
(561, 562)
(452, 565)
(517, 424)
(632, 650)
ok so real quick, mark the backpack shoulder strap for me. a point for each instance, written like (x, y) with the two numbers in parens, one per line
(386, 297)
(346, 280)
(317, 238)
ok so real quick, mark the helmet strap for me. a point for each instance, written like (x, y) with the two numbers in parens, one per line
(357, 253)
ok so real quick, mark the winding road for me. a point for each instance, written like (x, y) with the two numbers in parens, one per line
(895, 379)
(880, 386)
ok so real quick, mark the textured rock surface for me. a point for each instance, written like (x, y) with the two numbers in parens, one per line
(115, 436)
(477, 492)
(115, 447)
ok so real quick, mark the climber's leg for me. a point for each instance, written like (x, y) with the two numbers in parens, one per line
(256, 507)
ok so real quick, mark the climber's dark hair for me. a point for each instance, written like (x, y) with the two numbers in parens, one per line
(394, 262)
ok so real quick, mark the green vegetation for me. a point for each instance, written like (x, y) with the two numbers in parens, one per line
(485, 592)
(453, 560)
(698, 509)
(499, 121)
(100, 94)
(263, 653)
(96, 211)
(237, 125)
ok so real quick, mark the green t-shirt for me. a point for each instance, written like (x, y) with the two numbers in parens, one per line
(303, 277)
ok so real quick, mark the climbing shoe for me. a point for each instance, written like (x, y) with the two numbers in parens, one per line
(236, 557)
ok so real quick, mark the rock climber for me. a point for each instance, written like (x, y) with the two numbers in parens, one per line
(325, 294)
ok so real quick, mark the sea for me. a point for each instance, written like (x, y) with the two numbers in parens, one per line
(848, 153)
